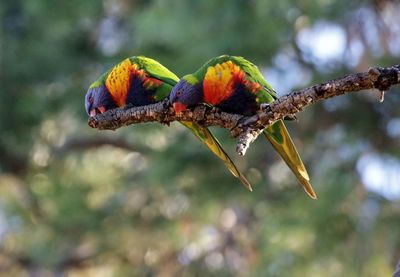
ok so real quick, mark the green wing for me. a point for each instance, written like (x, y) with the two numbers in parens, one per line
(156, 70)
(254, 75)
(212, 143)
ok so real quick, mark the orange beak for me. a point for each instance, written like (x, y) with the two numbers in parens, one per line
(179, 107)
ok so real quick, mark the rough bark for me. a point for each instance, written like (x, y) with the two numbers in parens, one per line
(247, 128)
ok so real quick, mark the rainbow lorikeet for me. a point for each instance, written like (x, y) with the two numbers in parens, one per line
(236, 85)
(138, 81)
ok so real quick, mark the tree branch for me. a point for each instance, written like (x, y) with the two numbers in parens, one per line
(247, 128)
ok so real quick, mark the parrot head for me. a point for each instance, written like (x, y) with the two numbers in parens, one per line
(185, 93)
(98, 99)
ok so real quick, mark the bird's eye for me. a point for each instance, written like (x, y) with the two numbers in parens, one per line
(90, 99)
(179, 93)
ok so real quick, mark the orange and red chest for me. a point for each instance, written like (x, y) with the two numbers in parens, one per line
(223, 80)
(119, 81)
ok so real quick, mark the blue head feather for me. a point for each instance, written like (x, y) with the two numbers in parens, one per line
(186, 93)
(98, 97)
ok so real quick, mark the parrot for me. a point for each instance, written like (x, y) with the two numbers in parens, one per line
(236, 85)
(139, 81)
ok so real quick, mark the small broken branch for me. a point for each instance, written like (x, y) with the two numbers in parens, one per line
(247, 128)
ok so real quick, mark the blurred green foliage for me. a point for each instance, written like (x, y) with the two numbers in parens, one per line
(150, 199)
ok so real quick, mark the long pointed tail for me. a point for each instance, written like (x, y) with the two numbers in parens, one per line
(278, 136)
(212, 143)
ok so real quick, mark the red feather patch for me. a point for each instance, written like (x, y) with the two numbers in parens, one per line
(151, 82)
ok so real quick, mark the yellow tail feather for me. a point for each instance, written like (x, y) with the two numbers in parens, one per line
(212, 143)
(278, 136)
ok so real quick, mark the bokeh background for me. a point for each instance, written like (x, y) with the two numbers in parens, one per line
(150, 200)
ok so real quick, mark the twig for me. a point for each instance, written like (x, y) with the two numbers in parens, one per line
(247, 128)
